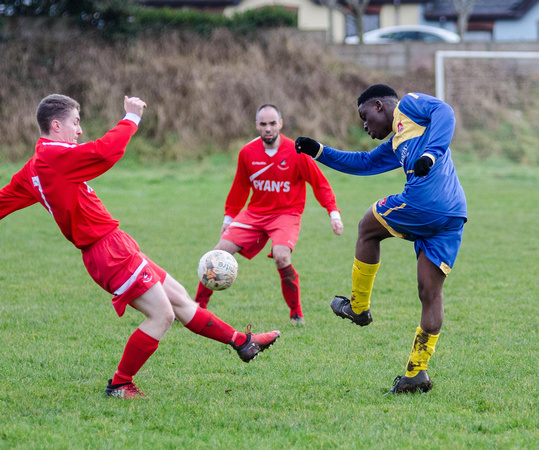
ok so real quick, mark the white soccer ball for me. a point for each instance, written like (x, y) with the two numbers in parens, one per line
(217, 270)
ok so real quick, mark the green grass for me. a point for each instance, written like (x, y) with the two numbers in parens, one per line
(318, 387)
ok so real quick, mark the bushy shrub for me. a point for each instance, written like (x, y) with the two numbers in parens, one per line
(267, 17)
(120, 18)
(166, 19)
(109, 17)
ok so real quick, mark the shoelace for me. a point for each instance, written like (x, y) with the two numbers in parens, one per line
(247, 332)
(395, 382)
(132, 388)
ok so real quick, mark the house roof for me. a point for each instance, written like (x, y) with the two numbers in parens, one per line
(199, 4)
(434, 9)
(482, 10)
(402, 2)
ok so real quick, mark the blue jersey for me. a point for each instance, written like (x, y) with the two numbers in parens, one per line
(422, 125)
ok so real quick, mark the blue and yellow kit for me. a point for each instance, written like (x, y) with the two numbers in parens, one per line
(422, 125)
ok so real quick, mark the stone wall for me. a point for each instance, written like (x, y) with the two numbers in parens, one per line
(403, 57)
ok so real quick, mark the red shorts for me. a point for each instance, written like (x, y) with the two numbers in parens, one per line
(116, 264)
(251, 231)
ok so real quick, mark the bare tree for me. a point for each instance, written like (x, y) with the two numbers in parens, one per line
(358, 8)
(464, 9)
(331, 6)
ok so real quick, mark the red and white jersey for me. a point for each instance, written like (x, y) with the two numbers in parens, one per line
(277, 182)
(56, 177)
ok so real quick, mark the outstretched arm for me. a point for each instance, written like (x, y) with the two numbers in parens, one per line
(379, 160)
(14, 197)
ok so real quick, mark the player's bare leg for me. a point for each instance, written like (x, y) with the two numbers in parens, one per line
(370, 234)
(183, 306)
(227, 246)
(154, 304)
(430, 280)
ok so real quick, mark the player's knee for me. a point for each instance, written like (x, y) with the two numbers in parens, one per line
(160, 320)
(282, 261)
(167, 319)
(428, 294)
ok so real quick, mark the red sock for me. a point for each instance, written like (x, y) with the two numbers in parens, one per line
(203, 295)
(290, 288)
(139, 348)
(209, 325)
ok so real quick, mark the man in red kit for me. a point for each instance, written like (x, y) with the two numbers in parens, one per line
(56, 177)
(270, 167)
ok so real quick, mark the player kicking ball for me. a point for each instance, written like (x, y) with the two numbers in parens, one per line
(56, 177)
(431, 211)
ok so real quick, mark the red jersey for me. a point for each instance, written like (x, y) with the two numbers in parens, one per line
(277, 182)
(56, 177)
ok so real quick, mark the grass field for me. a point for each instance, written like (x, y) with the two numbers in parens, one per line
(319, 387)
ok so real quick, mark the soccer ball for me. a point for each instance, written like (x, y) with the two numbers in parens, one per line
(217, 270)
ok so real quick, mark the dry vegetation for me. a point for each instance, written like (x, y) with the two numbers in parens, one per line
(202, 92)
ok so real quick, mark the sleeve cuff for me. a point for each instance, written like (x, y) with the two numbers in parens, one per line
(133, 118)
(227, 220)
(430, 156)
(335, 215)
(319, 152)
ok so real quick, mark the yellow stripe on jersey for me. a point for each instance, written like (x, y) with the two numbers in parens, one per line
(404, 128)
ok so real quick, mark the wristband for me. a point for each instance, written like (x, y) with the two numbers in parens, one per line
(335, 215)
(133, 118)
(319, 152)
(433, 159)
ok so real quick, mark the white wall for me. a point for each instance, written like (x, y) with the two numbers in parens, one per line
(311, 17)
(391, 15)
(525, 29)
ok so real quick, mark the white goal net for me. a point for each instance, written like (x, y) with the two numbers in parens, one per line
(475, 82)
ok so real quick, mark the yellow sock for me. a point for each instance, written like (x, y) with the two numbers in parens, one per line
(362, 280)
(422, 350)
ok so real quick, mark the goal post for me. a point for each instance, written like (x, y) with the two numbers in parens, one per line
(443, 55)
(495, 98)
